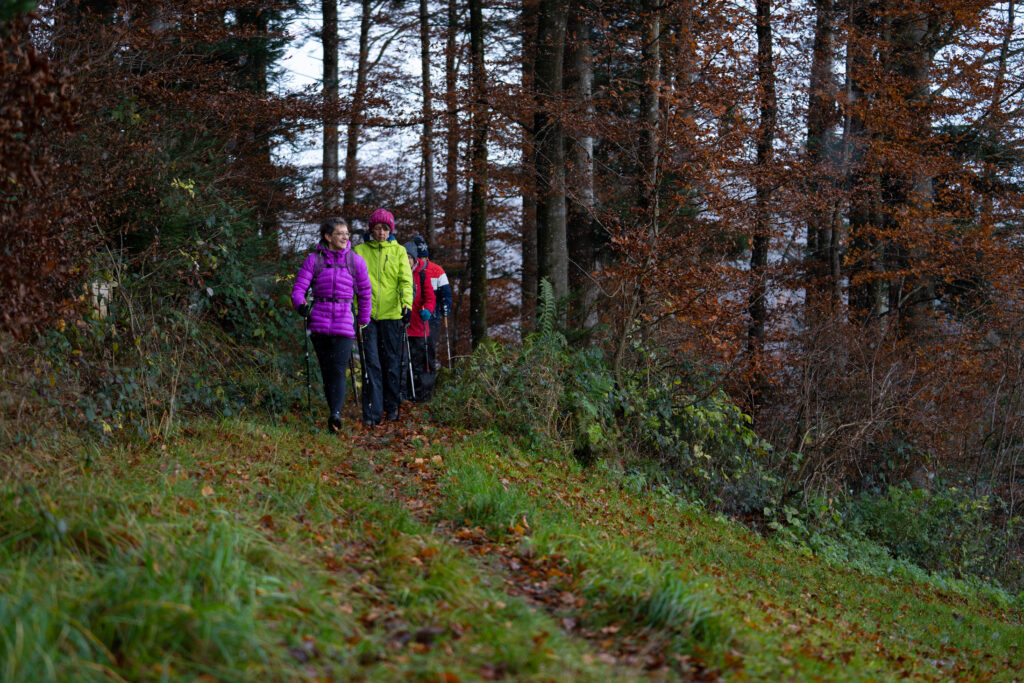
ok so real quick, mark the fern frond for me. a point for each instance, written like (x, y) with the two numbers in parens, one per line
(548, 308)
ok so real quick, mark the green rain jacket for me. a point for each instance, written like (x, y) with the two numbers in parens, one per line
(390, 278)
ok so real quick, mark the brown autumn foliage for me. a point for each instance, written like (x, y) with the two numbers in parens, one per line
(41, 212)
(889, 201)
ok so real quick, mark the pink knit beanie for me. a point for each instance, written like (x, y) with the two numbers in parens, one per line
(383, 216)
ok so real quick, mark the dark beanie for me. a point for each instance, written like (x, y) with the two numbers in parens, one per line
(421, 247)
(410, 248)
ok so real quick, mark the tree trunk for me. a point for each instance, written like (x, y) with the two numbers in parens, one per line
(478, 194)
(650, 108)
(913, 295)
(451, 168)
(329, 38)
(582, 232)
(865, 298)
(428, 127)
(356, 116)
(757, 306)
(528, 308)
(552, 248)
(821, 152)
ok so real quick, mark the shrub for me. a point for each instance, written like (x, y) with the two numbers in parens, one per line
(550, 394)
(944, 531)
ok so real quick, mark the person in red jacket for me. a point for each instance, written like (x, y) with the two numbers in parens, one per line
(423, 306)
(443, 291)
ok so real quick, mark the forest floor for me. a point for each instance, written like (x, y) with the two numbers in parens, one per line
(244, 550)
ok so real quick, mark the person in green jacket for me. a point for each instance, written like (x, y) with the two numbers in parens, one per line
(391, 307)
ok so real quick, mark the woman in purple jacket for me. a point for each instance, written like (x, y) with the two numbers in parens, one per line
(337, 275)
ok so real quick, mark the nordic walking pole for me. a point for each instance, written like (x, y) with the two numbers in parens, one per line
(447, 344)
(309, 390)
(352, 374)
(408, 353)
(362, 362)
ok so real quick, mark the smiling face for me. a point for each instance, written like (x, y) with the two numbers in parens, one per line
(380, 231)
(338, 238)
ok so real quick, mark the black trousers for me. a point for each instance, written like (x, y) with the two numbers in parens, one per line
(332, 353)
(419, 346)
(382, 343)
(433, 341)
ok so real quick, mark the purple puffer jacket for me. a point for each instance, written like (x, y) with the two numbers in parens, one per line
(333, 290)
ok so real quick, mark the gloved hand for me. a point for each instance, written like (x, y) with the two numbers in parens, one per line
(303, 310)
(424, 314)
(406, 315)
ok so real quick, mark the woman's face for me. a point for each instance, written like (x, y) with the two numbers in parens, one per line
(380, 231)
(412, 262)
(337, 239)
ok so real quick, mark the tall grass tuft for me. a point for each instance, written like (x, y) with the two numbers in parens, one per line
(87, 591)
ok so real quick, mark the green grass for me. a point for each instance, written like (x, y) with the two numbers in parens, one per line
(243, 550)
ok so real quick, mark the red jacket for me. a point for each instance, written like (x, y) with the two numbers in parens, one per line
(422, 299)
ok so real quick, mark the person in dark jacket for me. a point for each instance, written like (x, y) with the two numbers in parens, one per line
(337, 276)
(438, 280)
(423, 307)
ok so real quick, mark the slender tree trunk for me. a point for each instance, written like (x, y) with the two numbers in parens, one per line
(552, 247)
(650, 109)
(757, 305)
(478, 194)
(582, 233)
(821, 152)
(451, 168)
(329, 38)
(428, 127)
(528, 309)
(356, 117)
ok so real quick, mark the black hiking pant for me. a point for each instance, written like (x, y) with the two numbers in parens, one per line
(382, 342)
(433, 341)
(332, 353)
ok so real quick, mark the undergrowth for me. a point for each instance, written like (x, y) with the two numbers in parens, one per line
(684, 434)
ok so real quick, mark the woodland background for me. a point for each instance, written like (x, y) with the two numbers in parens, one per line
(785, 236)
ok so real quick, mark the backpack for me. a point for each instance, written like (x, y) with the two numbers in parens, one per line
(319, 263)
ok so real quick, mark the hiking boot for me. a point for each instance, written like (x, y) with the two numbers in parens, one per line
(392, 417)
(334, 423)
